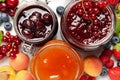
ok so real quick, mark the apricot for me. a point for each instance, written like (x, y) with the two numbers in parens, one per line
(7, 73)
(20, 62)
(24, 75)
(92, 66)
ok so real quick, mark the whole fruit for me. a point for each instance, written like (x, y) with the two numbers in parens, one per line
(114, 73)
(92, 66)
(24, 74)
(12, 3)
(20, 62)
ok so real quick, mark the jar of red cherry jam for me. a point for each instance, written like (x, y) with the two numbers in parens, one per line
(88, 24)
(35, 23)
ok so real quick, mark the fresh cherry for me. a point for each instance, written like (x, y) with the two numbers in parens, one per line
(3, 7)
(12, 3)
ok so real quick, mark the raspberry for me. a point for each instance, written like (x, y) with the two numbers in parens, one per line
(83, 77)
(107, 53)
(105, 56)
(105, 59)
(110, 64)
(91, 78)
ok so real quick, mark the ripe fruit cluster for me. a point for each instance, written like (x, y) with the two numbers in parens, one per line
(9, 6)
(10, 46)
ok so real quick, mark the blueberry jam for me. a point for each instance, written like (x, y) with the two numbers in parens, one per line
(35, 22)
(88, 21)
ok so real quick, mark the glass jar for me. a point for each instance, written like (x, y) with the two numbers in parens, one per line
(86, 32)
(56, 60)
(36, 23)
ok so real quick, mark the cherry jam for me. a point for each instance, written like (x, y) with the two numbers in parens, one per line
(35, 23)
(88, 23)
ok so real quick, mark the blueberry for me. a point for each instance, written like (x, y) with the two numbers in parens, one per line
(8, 26)
(1, 21)
(104, 71)
(108, 45)
(5, 17)
(60, 10)
(115, 39)
(118, 63)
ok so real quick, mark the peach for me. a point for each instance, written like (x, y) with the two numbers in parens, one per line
(24, 75)
(20, 62)
(92, 66)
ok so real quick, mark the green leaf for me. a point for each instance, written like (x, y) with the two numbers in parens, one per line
(117, 30)
(1, 36)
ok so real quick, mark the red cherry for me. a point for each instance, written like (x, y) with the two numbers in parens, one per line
(11, 12)
(1, 56)
(3, 7)
(12, 3)
(80, 12)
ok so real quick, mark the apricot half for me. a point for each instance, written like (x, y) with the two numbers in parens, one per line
(24, 75)
(7, 73)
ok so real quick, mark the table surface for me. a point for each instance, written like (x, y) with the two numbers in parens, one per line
(53, 4)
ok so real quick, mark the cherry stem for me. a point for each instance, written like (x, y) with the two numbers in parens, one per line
(86, 12)
(83, 7)
(8, 53)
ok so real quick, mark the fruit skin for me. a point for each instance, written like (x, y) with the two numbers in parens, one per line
(92, 66)
(104, 72)
(1, 21)
(105, 56)
(20, 62)
(12, 3)
(8, 70)
(60, 10)
(116, 51)
(114, 73)
(108, 45)
(83, 77)
(8, 26)
(117, 54)
(115, 39)
(110, 64)
(5, 17)
(24, 74)
(91, 78)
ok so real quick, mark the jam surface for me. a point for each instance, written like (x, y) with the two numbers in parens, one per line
(88, 22)
(57, 63)
(35, 22)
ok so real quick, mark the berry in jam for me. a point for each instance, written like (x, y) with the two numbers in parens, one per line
(88, 23)
(35, 22)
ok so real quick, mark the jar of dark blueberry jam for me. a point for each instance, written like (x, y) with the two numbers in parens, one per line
(35, 23)
(88, 24)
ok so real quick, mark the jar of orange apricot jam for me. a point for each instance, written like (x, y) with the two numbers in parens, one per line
(56, 60)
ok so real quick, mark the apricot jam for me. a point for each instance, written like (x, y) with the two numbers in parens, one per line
(57, 61)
